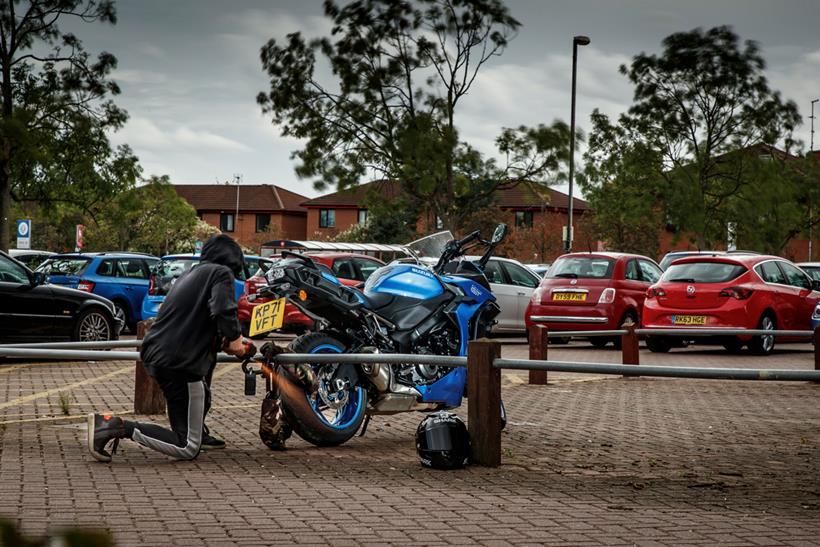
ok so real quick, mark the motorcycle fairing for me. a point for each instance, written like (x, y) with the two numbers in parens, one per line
(404, 280)
(450, 388)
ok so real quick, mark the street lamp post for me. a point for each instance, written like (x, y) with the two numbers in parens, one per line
(811, 155)
(576, 41)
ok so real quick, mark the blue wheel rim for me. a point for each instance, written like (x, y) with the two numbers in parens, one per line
(348, 413)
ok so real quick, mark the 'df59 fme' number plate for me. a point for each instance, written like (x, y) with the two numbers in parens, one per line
(267, 316)
(575, 296)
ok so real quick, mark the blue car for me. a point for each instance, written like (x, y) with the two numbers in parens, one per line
(120, 277)
(167, 271)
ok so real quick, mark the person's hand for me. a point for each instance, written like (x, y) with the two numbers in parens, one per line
(241, 347)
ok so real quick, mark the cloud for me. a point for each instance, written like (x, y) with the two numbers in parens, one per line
(134, 76)
(141, 133)
(509, 95)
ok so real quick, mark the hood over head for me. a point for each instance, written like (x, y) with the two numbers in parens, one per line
(222, 249)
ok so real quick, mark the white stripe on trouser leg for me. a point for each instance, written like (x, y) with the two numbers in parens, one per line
(196, 415)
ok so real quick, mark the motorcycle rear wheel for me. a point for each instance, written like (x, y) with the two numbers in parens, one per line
(311, 418)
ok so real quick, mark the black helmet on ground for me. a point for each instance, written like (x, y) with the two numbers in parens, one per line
(442, 441)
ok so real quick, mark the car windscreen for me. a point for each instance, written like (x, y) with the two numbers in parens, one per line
(702, 272)
(74, 265)
(582, 267)
(167, 271)
(813, 271)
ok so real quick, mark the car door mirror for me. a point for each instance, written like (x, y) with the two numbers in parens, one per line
(815, 284)
(39, 278)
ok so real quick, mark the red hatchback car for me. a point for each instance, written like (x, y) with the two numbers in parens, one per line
(739, 292)
(350, 268)
(592, 291)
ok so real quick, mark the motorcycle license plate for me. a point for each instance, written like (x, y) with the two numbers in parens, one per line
(688, 319)
(574, 296)
(267, 317)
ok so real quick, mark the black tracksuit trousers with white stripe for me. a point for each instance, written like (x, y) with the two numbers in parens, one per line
(188, 400)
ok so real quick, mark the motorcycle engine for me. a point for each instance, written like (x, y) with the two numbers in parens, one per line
(443, 341)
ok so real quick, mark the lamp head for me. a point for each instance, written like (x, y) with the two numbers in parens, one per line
(581, 40)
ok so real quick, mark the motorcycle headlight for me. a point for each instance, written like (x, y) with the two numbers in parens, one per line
(816, 313)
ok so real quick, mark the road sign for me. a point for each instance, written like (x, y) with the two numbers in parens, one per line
(78, 245)
(24, 234)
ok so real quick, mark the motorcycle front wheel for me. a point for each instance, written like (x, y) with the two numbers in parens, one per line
(332, 414)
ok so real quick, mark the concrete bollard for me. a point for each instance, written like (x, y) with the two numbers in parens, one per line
(539, 340)
(629, 346)
(484, 415)
(148, 397)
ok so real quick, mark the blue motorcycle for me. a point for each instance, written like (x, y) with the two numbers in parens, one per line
(414, 308)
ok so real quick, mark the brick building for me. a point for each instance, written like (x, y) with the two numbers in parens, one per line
(519, 207)
(265, 211)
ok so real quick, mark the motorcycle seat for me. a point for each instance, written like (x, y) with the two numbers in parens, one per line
(375, 301)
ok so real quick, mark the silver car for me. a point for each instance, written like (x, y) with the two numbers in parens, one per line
(512, 284)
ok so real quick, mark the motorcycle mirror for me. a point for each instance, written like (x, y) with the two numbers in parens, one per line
(499, 233)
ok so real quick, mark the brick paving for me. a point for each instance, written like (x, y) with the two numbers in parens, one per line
(586, 461)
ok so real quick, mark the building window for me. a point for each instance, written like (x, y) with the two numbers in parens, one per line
(362, 216)
(523, 219)
(226, 222)
(262, 222)
(327, 218)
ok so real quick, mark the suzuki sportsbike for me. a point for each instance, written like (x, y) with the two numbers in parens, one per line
(424, 307)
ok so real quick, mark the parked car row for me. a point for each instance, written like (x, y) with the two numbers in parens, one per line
(579, 291)
(604, 291)
(33, 310)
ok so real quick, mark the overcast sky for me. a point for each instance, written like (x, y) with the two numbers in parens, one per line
(190, 71)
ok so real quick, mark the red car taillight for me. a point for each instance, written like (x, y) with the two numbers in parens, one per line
(85, 285)
(738, 293)
(607, 296)
(653, 292)
(152, 286)
(253, 284)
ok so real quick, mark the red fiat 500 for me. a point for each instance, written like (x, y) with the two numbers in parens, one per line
(592, 291)
(739, 292)
(350, 268)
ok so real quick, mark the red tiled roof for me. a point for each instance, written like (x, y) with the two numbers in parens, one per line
(513, 198)
(252, 197)
(523, 196)
(353, 197)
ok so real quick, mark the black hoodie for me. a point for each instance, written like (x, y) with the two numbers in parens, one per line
(200, 309)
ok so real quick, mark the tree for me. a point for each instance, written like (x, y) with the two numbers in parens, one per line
(150, 218)
(401, 69)
(56, 109)
(705, 96)
(622, 183)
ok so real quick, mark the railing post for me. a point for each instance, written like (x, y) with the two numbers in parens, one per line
(484, 415)
(148, 397)
(539, 339)
(816, 341)
(629, 346)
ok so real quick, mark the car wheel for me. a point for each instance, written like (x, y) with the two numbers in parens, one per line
(658, 344)
(559, 340)
(122, 315)
(93, 325)
(763, 345)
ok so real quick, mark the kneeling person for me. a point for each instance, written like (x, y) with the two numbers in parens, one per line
(179, 352)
